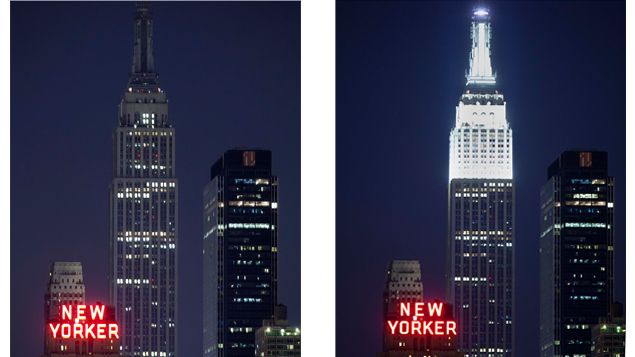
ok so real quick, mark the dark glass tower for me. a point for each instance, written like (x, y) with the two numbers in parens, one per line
(144, 209)
(481, 208)
(576, 252)
(240, 247)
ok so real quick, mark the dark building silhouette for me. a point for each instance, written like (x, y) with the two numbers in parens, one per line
(144, 208)
(240, 248)
(480, 271)
(576, 252)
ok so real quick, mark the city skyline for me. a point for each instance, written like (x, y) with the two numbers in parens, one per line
(232, 73)
(396, 83)
(222, 59)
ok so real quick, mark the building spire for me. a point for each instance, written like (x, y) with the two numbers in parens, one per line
(143, 73)
(480, 72)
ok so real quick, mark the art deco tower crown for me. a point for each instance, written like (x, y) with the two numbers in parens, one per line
(143, 74)
(481, 141)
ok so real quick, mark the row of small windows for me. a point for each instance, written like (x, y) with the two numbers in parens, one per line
(577, 181)
(66, 287)
(252, 181)
(247, 300)
(476, 131)
(466, 140)
(485, 184)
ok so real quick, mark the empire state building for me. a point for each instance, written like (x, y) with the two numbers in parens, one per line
(143, 208)
(481, 208)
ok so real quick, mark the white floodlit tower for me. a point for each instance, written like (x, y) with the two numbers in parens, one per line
(481, 208)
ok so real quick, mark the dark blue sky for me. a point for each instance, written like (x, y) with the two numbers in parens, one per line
(232, 75)
(400, 72)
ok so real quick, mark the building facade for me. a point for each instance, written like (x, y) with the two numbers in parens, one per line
(276, 337)
(66, 287)
(609, 338)
(481, 208)
(403, 284)
(144, 208)
(240, 246)
(278, 340)
(576, 252)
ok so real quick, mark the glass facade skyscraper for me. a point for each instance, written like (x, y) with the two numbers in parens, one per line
(481, 208)
(240, 249)
(576, 252)
(144, 208)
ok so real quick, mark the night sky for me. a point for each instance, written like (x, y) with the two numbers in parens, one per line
(400, 73)
(232, 74)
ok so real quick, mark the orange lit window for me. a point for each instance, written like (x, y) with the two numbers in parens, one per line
(249, 158)
(586, 159)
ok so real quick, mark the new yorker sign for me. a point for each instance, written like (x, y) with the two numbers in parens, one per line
(420, 318)
(83, 322)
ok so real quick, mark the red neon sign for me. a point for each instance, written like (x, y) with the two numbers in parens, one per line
(83, 322)
(420, 318)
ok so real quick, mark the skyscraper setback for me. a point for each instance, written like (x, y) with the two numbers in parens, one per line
(481, 208)
(240, 250)
(144, 208)
(576, 252)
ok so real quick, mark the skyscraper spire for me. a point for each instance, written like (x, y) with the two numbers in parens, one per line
(480, 71)
(143, 73)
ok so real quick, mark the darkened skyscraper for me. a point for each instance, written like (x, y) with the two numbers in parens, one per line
(576, 252)
(239, 251)
(65, 287)
(144, 209)
(481, 208)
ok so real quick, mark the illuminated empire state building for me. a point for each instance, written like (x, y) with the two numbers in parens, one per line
(143, 208)
(481, 208)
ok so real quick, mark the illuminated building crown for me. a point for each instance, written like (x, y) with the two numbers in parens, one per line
(481, 141)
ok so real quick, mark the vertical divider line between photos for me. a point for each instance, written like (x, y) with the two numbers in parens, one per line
(630, 173)
(5, 256)
(318, 177)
